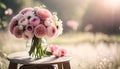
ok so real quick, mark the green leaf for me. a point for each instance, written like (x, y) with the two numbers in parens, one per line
(2, 5)
(48, 53)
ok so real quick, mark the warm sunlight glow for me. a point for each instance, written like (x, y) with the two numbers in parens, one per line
(113, 3)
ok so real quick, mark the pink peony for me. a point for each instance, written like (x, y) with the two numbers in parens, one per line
(12, 24)
(48, 22)
(29, 28)
(43, 13)
(27, 35)
(24, 11)
(40, 31)
(57, 53)
(17, 32)
(51, 31)
(52, 48)
(23, 21)
(34, 21)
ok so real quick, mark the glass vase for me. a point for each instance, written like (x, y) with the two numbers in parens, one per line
(38, 48)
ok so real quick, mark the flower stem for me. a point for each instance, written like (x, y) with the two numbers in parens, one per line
(36, 49)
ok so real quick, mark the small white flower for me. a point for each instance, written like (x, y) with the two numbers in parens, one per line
(55, 17)
(36, 8)
(21, 27)
(29, 14)
(59, 27)
(48, 22)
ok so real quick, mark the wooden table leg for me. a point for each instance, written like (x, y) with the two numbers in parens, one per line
(12, 65)
(66, 65)
(60, 66)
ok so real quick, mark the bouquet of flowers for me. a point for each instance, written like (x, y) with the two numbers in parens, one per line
(35, 24)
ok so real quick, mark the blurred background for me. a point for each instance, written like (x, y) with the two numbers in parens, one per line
(91, 27)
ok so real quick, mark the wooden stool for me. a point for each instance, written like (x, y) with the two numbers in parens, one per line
(23, 58)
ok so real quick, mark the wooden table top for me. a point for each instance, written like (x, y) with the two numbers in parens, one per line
(24, 58)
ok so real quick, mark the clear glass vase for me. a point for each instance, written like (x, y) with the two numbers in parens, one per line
(38, 48)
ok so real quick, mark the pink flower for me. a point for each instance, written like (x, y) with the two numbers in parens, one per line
(12, 24)
(24, 11)
(57, 53)
(29, 28)
(73, 24)
(51, 31)
(52, 48)
(17, 32)
(8, 11)
(88, 27)
(40, 31)
(63, 51)
(27, 35)
(34, 21)
(43, 13)
(48, 22)
(23, 21)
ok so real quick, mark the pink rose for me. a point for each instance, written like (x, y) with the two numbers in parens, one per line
(17, 32)
(40, 31)
(52, 48)
(27, 35)
(43, 13)
(24, 11)
(12, 24)
(51, 31)
(63, 51)
(29, 28)
(23, 21)
(57, 53)
(34, 20)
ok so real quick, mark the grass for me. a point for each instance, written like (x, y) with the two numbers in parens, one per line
(64, 39)
(77, 38)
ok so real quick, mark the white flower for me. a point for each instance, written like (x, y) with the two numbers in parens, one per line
(23, 21)
(19, 16)
(55, 17)
(48, 22)
(29, 14)
(59, 27)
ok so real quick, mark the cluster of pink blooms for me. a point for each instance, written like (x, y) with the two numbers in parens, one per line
(57, 51)
(38, 22)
